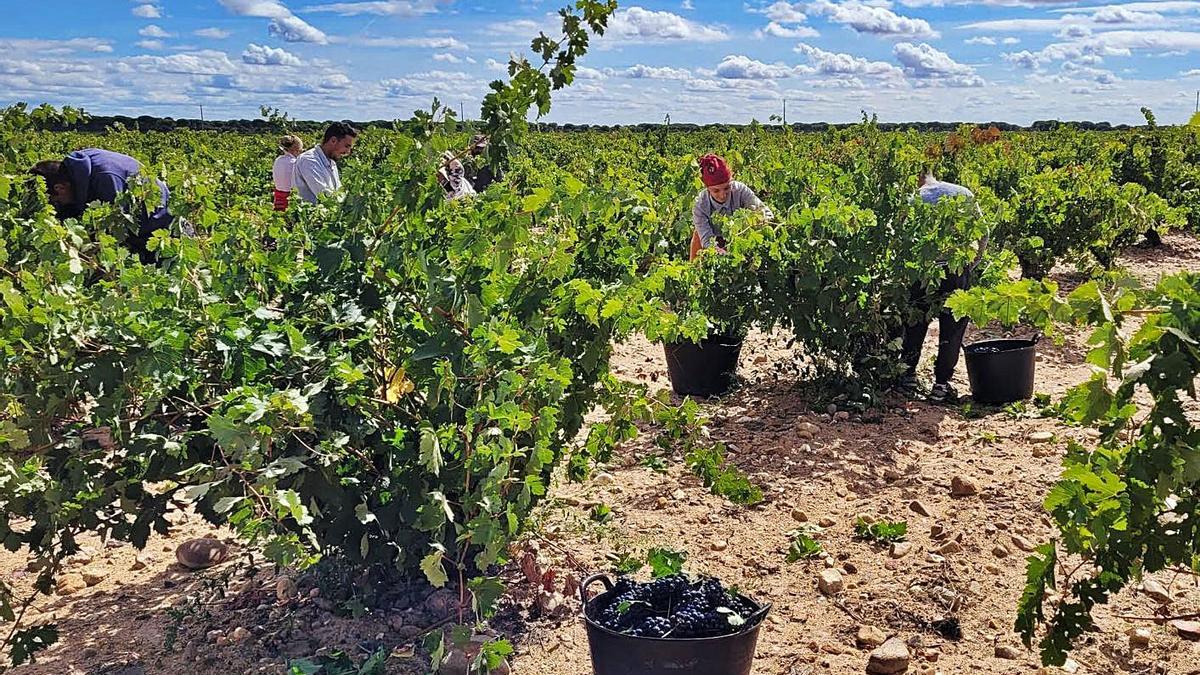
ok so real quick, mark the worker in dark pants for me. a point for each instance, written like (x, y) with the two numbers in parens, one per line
(95, 175)
(950, 330)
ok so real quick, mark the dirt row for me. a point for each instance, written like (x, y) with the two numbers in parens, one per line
(141, 612)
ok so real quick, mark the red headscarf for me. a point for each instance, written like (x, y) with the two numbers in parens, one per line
(714, 170)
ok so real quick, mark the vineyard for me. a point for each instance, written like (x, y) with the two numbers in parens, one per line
(423, 422)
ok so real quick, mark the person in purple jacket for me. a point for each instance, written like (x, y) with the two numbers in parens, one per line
(95, 175)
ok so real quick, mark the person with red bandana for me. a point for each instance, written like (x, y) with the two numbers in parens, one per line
(723, 195)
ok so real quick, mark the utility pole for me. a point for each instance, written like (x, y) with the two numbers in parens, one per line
(1198, 101)
(785, 112)
(202, 112)
(462, 116)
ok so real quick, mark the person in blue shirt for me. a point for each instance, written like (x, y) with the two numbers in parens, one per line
(95, 175)
(950, 331)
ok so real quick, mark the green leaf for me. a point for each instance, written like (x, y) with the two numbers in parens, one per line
(431, 450)
(486, 591)
(27, 642)
(601, 513)
(536, 200)
(290, 501)
(883, 531)
(665, 562)
(433, 568)
(1039, 576)
(803, 547)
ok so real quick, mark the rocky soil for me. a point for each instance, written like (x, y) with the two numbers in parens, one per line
(968, 481)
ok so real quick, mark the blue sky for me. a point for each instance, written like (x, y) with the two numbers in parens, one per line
(698, 60)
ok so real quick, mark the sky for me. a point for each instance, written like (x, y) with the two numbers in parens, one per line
(699, 61)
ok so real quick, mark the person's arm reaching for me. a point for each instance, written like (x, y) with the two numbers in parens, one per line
(752, 202)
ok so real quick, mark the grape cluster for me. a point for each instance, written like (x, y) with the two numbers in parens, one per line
(672, 607)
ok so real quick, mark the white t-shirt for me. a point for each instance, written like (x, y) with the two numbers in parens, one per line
(282, 172)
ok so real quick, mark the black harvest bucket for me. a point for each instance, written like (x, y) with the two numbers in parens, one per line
(617, 654)
(705, 368)
(1001, 371)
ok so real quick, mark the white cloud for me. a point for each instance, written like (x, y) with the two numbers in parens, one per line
(336, 81)
(834, 63)
(522, 27)
(154, 31)
(443, 43)
(147, 11)
(982, 40)
(987, 3)
(212, 33)
(739, 67)
(783, 12)
(153, 45)
(1168, 7)
(1190, 73)
(929, 66)
(1117, 15)
(294, 29)
(1079, 21)
(431, 83)
(744, 88)
(687, 5)
(873, 19)
(376, 7)
(269, 56)
(1073, 32)
(1091, 49)
(774, 29)
(643, 72)
(284, 24)
(639, 24)
(582, 73)
(205, 62)
(54, 47)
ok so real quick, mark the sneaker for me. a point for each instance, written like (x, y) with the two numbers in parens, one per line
(943, 392)
(909, 384)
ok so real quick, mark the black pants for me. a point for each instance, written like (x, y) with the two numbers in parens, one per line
(951, 332)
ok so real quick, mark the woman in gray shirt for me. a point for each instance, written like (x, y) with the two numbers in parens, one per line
(721, 194)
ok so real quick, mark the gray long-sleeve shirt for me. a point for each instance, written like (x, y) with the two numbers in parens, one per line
(315, 174)
(740, 197)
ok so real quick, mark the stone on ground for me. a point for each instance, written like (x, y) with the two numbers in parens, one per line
(870, 637)
(962, 486)
(198, 554)
(891, 657)
(1156, 591)
(830, 582)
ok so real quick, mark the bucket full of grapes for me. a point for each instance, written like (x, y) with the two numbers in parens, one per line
(673, 625)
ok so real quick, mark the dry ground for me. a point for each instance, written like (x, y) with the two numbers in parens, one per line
(813, 466)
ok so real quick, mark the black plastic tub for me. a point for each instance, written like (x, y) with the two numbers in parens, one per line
(706, 368)
(1001, 371)
(617, 654)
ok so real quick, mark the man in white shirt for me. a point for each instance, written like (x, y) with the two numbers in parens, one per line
(316, 169)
